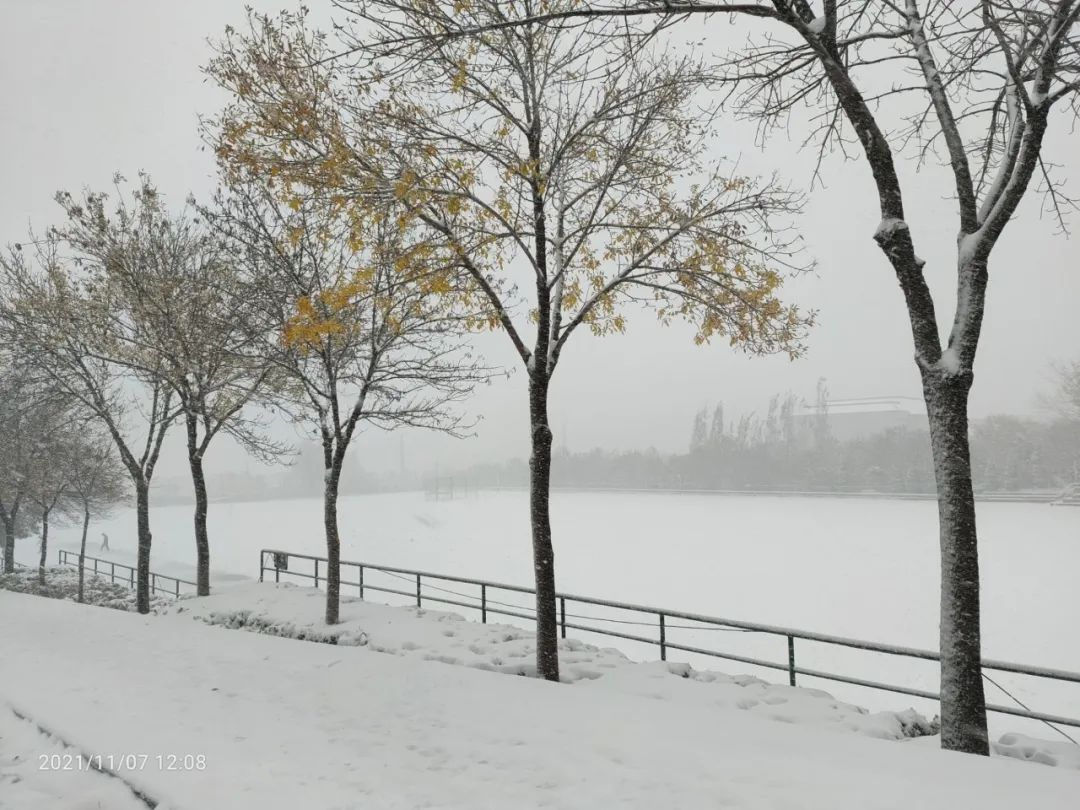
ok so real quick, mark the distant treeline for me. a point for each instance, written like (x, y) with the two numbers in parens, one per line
(783, 451)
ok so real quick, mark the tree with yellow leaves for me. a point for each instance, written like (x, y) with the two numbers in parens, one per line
(359, 324)
(562, 169)
(990, 84)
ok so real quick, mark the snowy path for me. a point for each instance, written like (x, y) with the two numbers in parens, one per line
(286, 724)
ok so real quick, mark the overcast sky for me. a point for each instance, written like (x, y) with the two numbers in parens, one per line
(93, 87)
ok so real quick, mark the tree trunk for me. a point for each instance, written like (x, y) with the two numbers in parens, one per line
(547, 625)
(202, 538)
(44, 545)
(333, 542)
(9, 544)
(82, 549)
(963, 706)
(142, 574)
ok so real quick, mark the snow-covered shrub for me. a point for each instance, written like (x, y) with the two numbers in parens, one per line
(62, 582)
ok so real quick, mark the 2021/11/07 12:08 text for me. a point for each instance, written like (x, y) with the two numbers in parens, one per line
(122, 762)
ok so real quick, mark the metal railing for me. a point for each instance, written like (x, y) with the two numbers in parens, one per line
(1046, 497)
(423, 586)
(122, 574)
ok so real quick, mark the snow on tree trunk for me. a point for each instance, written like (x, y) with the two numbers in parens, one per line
(547, 626)
(333, 542)
(9, 544)
(142, 574)
(202, 537)
(963, 707)
(947, 378)
(82, 550)
(44, 545)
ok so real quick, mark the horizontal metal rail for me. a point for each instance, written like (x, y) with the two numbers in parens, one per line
(122, 574)
(1045, 497)
(277, 562)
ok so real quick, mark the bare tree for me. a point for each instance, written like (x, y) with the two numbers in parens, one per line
(29, 412)
(95, 483)
(12, 454)
(50, 480)
(555, 165)
(190, 320)
(988, 77)
(85, 336)
(359, 329)
(1065, 400)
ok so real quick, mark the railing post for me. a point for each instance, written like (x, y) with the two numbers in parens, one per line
(177, 589)
(95, 566)
(791, 659)
(153, 583)
(361, 581)
(483, 604)
(663, 639)
(316, 573)
(262, 565)
(418, 590)
(112, 575)
(562, 606)
(132, 578)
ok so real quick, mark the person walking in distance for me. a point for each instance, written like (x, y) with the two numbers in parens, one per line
(104, 542)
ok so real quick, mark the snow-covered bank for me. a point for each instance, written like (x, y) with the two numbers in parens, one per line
(294, 612)
(62, 582)
(284, 724)
(863, 569)
(431, 635)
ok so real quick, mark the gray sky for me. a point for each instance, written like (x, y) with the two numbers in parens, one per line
(90, 88)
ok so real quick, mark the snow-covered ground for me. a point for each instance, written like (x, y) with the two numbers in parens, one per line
(40, 772)
(435, 635)
(860, 568)
(206, 717)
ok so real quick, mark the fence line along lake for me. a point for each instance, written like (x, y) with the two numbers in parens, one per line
(864, 568)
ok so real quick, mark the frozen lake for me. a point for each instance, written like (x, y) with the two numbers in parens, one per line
(861, 568)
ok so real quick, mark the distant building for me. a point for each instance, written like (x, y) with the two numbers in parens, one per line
(858, 418)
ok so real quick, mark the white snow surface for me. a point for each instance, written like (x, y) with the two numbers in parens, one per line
(889, 226)
(285, 724)
(435, 635)
(949, 362)
(967, 244)
(865, 568)
(1020, 746)
(59, 782)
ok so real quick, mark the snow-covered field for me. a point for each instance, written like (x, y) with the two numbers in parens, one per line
(199, 716)
(860, 568)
